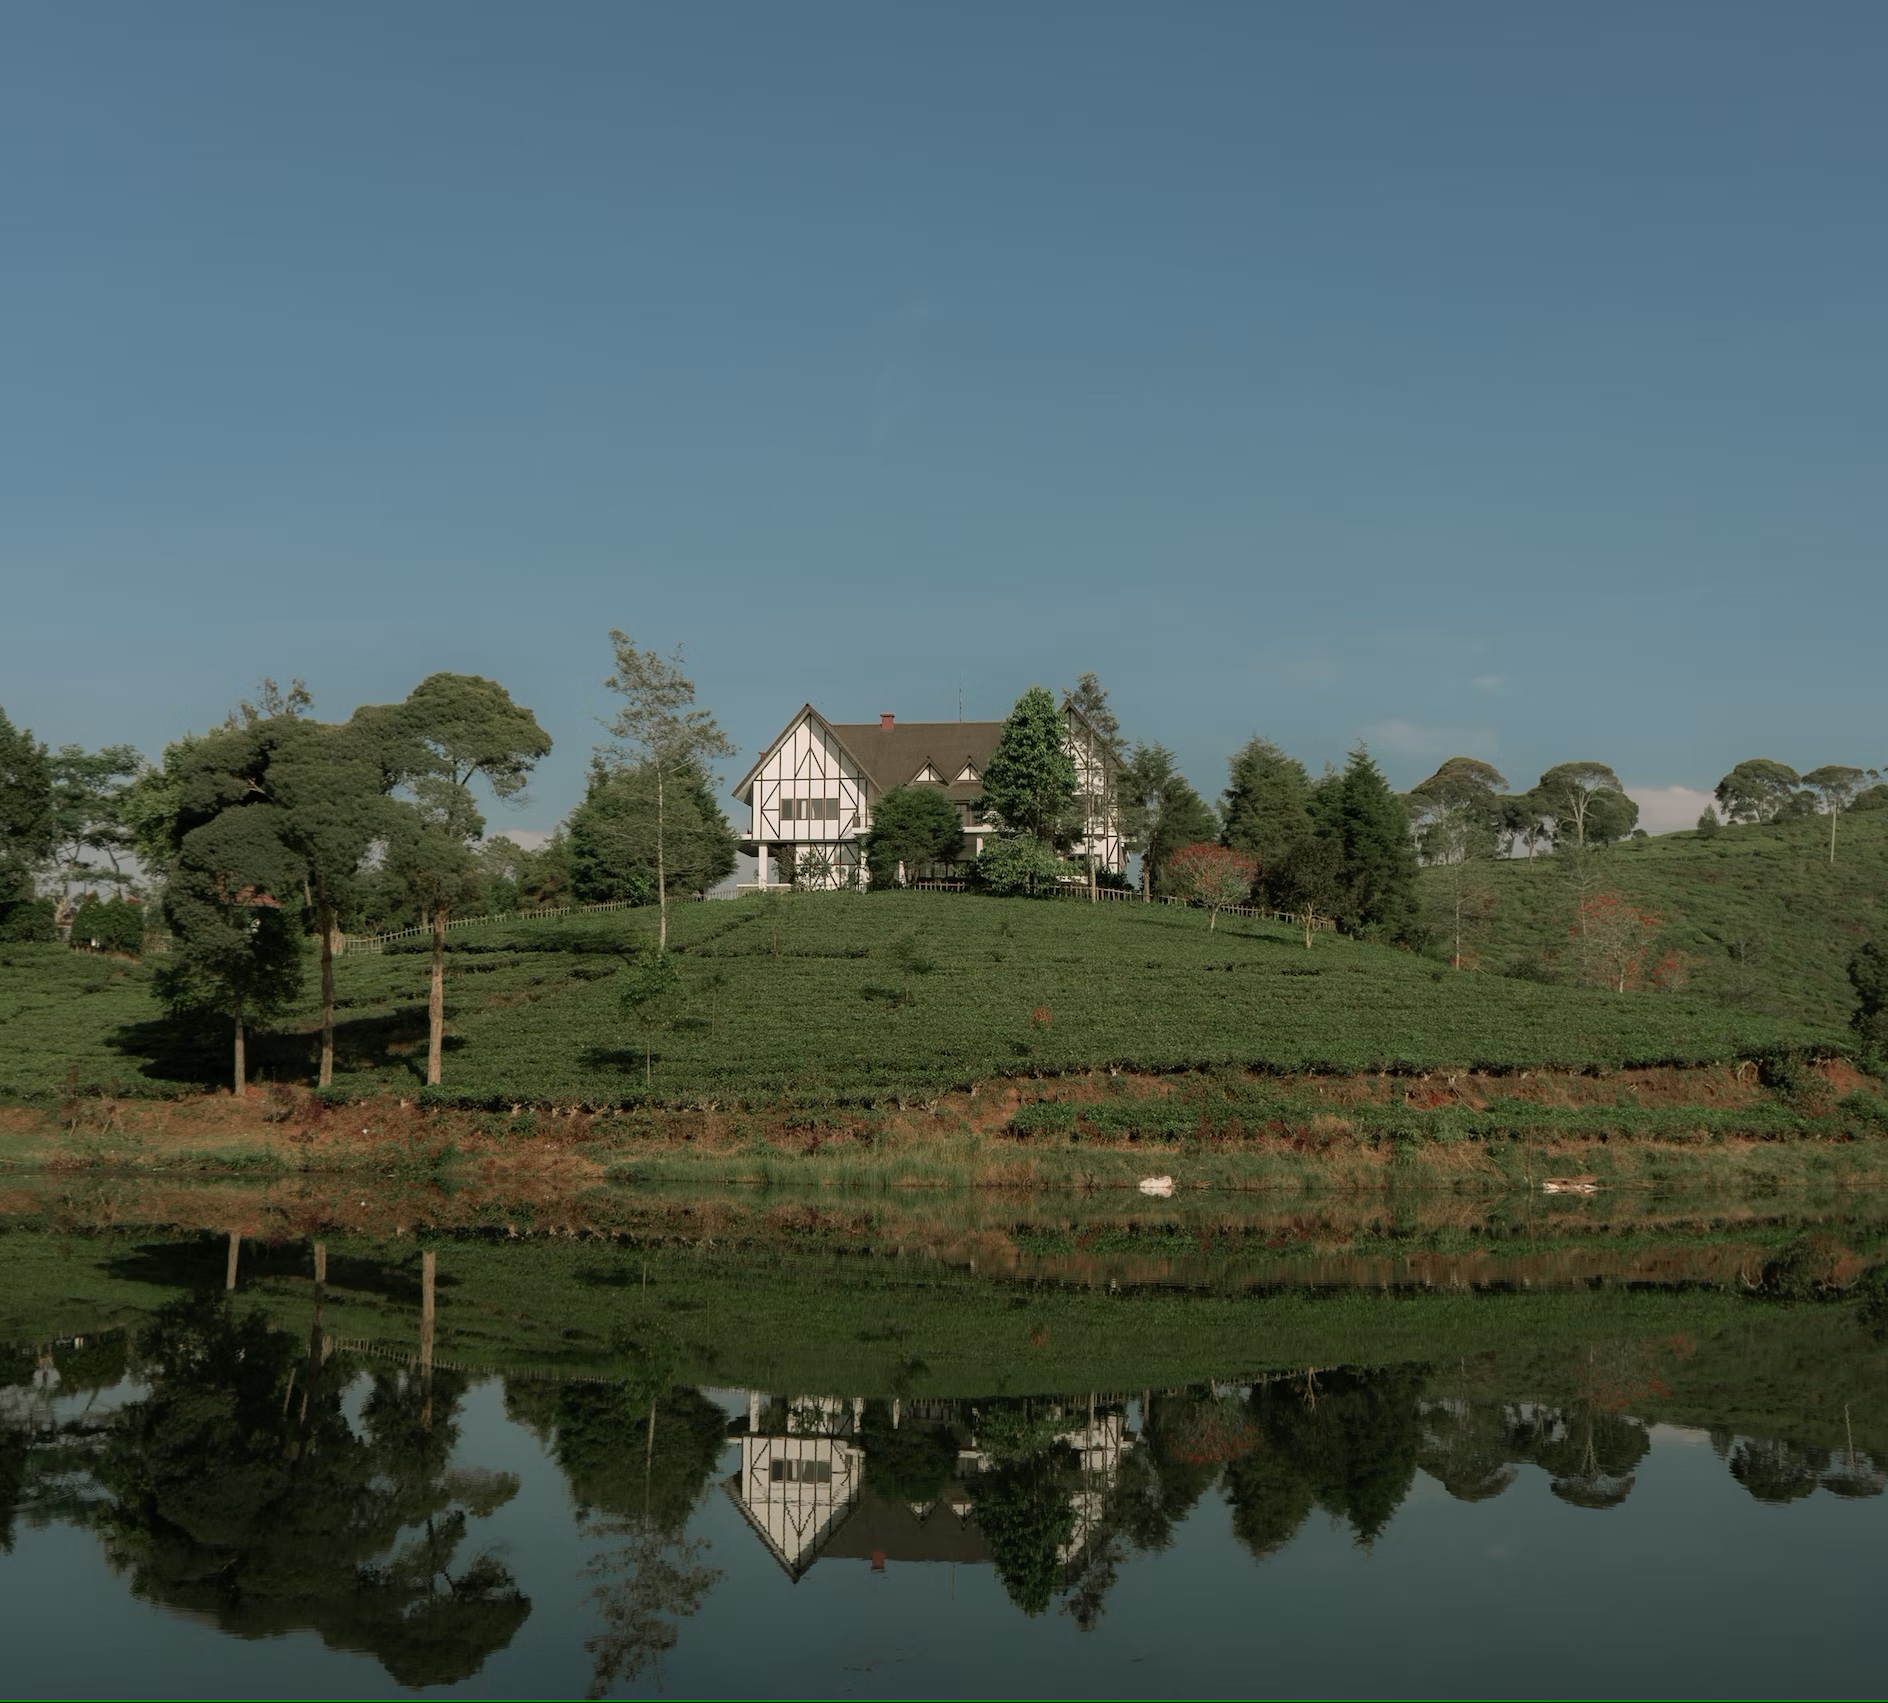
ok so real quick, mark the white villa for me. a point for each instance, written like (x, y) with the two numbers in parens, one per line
(811, 792)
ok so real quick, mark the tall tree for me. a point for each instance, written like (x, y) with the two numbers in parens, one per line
(1370, 824)
(1759, 789)
(1458, 839)
(611, 845)
(1266, 809)
(1029, 782)
(235, 951)
(451, 730)
(27, 827)
(1835, 784)
(87, 789)
(1462, 784)
(1587, 803)
(1098, 749)
(1868, 975)
(660, 729)
(330, 783)
(1089, 699)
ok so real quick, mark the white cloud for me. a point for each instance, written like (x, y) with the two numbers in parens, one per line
(532, 839)
(1486, 682)
(1665, 809)
(1415, 739)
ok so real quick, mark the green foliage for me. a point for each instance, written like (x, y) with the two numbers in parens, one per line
(87, 789)
(28, 919)
(1029, 781)
(913, 826)
(1026, 1516)
(28, 826)
(1366, 820)
(109, 925)
(610, 845)
(1015, 864)
(235, 948)
(1160, 810)
(1586, 804)
(1759, 789)
(1266, 810)
(1868, 975)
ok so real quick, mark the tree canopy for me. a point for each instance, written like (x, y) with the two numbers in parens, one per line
(611, 846)
(28, 825)
(1029, 781)
(912, 826)
(1266, 809)
(1759, 789)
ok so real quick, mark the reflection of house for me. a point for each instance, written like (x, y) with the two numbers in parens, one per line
(801, 1486)
(811, 793)
(1099, 1446)
(796, 1485)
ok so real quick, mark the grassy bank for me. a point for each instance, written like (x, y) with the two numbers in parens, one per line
(822, 1000)
(1766, 922)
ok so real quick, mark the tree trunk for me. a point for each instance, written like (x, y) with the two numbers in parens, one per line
(662, 879)
(1310, 917)
(235, 1250)
(324, 918)
(1147, 880)
(241, 1072)
(436, 999)
(1092, 899)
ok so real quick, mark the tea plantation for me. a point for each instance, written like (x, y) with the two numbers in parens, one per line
(817, 998)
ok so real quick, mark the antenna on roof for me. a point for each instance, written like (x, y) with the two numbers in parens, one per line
(960, 700)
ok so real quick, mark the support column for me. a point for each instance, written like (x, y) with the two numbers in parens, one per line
(760, 865)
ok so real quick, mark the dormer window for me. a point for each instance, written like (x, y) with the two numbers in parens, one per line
(927, 776)
(969, 774)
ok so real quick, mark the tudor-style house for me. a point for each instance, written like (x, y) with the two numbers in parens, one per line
(811, 793)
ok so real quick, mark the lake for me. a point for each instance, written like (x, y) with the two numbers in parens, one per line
(255, 1444)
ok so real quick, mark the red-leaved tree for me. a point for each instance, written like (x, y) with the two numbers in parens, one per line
(1212, 875)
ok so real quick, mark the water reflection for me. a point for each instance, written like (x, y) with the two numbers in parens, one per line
(267, 1477)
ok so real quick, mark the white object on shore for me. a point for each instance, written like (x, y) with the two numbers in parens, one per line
(1571, 1185)
(1157, 1185)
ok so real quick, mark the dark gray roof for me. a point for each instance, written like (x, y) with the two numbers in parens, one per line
(896, 755)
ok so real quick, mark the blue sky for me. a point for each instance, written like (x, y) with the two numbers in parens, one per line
(1496, 378)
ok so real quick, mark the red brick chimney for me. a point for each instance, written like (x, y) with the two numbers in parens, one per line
(884, 720)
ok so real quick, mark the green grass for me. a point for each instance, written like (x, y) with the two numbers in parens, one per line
(801, 1000)
(1768, 924)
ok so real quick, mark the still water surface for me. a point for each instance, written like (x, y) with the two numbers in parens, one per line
(547, 1481)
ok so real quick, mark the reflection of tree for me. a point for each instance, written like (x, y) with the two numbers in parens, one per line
(1465, 1448)
(637, 1455)
(1270, 1499)
(911, 1462)
(613, 1459)
(1352, 1436)
(1026, 1517)
(648, 1583)
(1773, 1470)
(1590, 1453)
(241, 1492)
(13, 1452)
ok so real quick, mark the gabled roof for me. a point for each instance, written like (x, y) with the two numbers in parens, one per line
(896, 755)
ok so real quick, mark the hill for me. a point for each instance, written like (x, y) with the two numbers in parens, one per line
(820, 998)
(1767, 924)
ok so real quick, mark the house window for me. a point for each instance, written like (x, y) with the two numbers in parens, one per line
(800, 1472)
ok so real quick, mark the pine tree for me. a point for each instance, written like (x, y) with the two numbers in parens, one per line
(1029, 781)
(1266, 810)
(1371, 826)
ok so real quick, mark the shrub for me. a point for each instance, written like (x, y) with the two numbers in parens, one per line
(28, 919)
